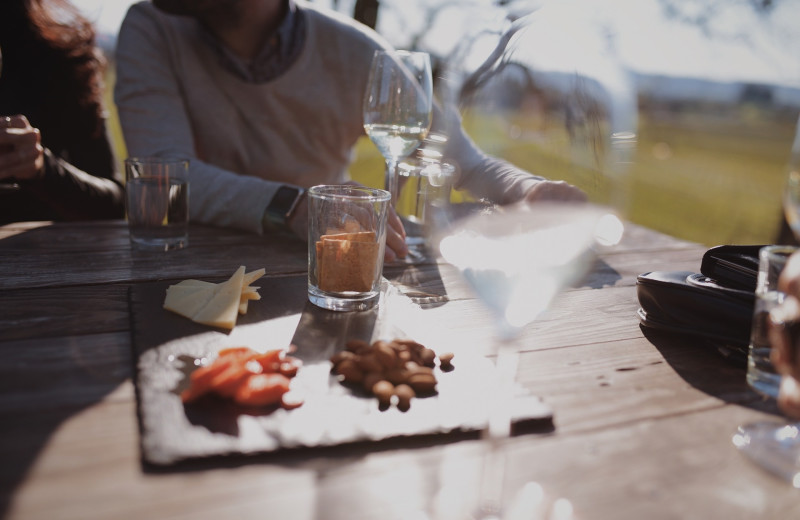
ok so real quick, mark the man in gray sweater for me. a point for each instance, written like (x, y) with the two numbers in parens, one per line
(265, 98)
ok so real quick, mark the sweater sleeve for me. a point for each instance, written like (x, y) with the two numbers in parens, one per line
(155, 122)
(482, 175)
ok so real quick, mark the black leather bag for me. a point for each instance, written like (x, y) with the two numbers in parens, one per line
(715, 305)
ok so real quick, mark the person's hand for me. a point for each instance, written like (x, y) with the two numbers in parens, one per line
(395, 232)
(789, 396)
(789, 281)
(784, 335)
(21, 151)
(558, 191)
(395, 237)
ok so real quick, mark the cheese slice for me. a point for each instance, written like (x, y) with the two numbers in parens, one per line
(252, 276)
(194, 283)
(222, 309)
(248, 293)
(188, 301)
(213, 304)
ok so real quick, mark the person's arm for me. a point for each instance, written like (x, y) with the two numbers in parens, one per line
(87, 189)
(155, 122)
(488, 177)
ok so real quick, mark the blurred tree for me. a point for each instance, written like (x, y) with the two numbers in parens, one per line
(704, 14)
(366, 12)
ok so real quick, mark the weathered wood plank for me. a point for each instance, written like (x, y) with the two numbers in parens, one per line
(671, 467)
(51, 373)
(98, 253)
(612, 383)
(63, 311)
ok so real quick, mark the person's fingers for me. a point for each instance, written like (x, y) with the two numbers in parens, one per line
(15, 121)
(393, 221)
(783, 329)
(789, 397)
(389, 256)
(21, 157)
(789, 281)
(395, 244)
(555, 190)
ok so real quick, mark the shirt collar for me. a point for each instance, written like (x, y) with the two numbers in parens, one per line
(275, 56)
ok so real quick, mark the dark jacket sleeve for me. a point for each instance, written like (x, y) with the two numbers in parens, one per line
(74, 194)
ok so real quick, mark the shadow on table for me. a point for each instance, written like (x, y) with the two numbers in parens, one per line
(710, 369)
(66, 377)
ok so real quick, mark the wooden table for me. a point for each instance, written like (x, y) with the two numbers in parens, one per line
(642, 424)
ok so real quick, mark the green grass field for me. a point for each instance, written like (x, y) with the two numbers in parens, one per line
(705, 179)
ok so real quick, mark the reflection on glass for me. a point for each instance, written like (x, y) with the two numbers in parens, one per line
(397, 107)
(569, 108)
(775, 446)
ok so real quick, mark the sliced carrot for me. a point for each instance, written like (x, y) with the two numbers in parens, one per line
(249, 377)
(237, 352)
(200, 381)
(270, 360)
(204, 374)
(229, 380)
(289, 366)
(262, 390)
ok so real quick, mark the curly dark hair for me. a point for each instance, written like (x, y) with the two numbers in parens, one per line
(53, 45)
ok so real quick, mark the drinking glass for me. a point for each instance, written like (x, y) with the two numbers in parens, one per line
(346, 241)
(578, 122)
(157, 203)
(6, 186)
(397, 107)
(775, 445)
(791, 192)
(761, 374)
(424, 185)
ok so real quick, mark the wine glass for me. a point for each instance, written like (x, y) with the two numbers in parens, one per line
(791, 192)
(575, 118)
(775, 445)
(397, 107)
(6, 186)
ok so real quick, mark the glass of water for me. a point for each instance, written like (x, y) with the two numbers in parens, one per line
(761, 375)
(157, 202)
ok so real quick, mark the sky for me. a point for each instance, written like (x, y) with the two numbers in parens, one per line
(737, 46)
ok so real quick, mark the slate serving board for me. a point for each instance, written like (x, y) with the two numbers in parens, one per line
(166, 347)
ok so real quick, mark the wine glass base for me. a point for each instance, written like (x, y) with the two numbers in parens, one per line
(488, 512)
(773, 446)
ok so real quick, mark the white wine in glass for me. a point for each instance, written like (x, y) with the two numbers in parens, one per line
(397, 107)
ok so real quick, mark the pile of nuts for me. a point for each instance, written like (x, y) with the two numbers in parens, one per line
(400, 368)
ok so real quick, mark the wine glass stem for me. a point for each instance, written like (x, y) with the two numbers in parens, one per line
(500, 416)
(506, 372)
(391, 181)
